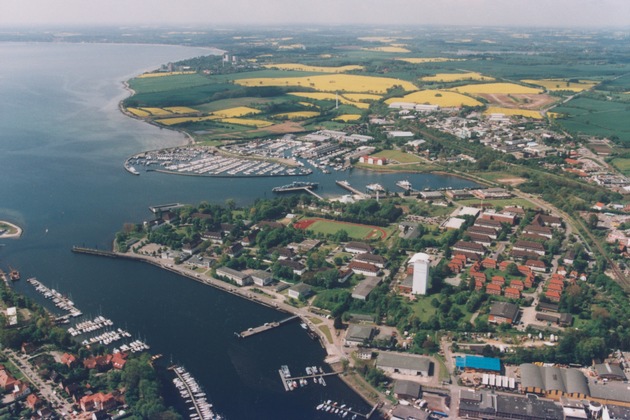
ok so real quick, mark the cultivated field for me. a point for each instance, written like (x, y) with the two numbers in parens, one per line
(298, 115)
(181, 120)
(348, 117)
(324, 96)
(514, 111)
(553, 85)
(623, 164)
(454, 77)
(519, 100)
(362, 96)
(247, 121)
(238, 111)
(317, 69)
(333, 83)
(437, 97)
(139, 112)
(506, 88)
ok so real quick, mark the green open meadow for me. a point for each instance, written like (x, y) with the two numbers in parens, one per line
(596, 117)
(399, 156)
(623, 164)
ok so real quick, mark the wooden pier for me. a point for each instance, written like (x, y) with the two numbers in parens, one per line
(265, 327)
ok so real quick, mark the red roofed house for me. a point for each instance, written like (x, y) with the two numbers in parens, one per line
(98, 401)
(525, 270)
(98, 362)
(512, 293)
(517, 284)
(489, 263)
(119, 359)
(69, 360)
(555, 287)
(529, 280)
(7, 382)
(552, 295)
(499, 280)
(493, 289)
(479, 276)
(33, 402)
(479, 284)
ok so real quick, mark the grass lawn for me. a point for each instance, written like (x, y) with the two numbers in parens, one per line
(413, 167)
(326, 332)
(623, 164)
(399, 156)
(423, 309)
(314, 320)
(444, 375)
(355, 231)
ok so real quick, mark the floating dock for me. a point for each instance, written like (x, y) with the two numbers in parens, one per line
(265, 327)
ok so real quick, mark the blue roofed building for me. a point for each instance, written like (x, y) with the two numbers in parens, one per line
(478, 363)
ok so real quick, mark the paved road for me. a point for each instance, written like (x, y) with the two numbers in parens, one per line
(46, 388)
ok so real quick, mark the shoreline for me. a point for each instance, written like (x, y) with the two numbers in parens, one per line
(334, 355)
(8, 235)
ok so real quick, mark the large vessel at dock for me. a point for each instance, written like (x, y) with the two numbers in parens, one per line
(404, 184)
(375, 187)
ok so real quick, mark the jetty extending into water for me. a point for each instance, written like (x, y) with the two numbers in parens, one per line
(265, 327)
(190, 390)
(346, 185)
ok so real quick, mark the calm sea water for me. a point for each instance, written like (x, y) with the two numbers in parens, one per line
(62, 145)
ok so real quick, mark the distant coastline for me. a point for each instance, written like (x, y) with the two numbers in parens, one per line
(9, 230)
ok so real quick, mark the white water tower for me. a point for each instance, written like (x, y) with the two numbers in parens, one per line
(420, 283)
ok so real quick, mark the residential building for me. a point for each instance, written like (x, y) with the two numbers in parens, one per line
(358, 248)
(470, 247)
(370, 258)
(528, 246)
(493, 289)
(369, 270)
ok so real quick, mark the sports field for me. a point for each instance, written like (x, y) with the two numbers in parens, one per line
(330, 227)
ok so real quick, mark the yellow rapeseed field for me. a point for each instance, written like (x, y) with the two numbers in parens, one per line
(422, 60)
(453, 77)
(441, 98)
(297, 115)
(159, 112)
(319, 69)
(324, 96)
(333, 83)
(503, 88)
(347, 117)
(362, 96)
(138, 112)
(388, 49)
(247, 121)
(553, 85)
(180, 120)
(511, 111)
(238, 111)
(180, 109)
(168, 73)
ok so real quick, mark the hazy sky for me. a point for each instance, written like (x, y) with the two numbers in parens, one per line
(380, 12)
